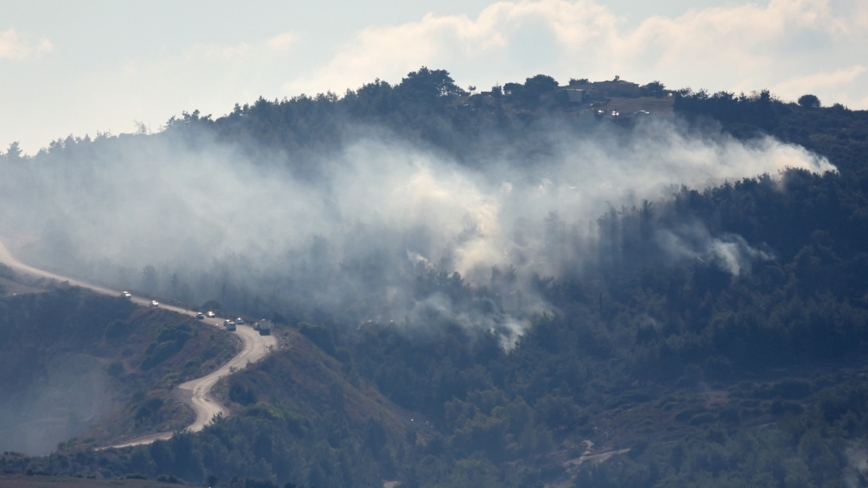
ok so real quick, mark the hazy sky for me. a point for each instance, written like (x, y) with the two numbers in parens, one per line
(82, 67)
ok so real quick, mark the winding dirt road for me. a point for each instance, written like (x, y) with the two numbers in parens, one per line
(195, 393)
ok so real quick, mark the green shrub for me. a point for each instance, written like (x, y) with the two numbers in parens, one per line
(116, 329)
(170, 340)
(241, 394)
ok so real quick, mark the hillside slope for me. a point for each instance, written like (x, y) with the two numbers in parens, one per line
(298, 416)
(75, 363)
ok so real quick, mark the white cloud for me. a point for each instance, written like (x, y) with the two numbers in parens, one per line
(282, 42)
(243, 52)
(738, 48)
(17, 47)
(210, 77)
(840, 81)
(790, 46)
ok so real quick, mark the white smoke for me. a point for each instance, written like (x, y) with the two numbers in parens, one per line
(730, 251)
(205, 215)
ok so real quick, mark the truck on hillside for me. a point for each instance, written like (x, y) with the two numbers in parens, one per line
(264, 327)
(229, 325)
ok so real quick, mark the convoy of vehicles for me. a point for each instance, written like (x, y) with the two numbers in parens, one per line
(262, 326)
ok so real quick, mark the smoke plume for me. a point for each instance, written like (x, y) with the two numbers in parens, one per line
(380, 231)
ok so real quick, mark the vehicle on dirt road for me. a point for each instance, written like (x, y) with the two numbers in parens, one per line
(264, 327)
(229, 325)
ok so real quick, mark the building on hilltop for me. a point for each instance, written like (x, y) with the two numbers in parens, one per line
(583, 91)
(618, 88)
(573, 95)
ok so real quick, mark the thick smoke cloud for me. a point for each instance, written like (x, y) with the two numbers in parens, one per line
(203, 221)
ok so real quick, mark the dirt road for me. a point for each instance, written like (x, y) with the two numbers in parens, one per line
(197, 392)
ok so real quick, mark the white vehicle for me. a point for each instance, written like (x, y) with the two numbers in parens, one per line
(154, 303)
(200, 316)
(239, 321)
(210, 314)
(229, 325)
(126, 294)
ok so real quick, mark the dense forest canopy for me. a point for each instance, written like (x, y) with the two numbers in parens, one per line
(523, 275)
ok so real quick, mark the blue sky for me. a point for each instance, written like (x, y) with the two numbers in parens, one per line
(76, 68)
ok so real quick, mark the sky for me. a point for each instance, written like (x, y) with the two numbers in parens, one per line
(82, 68)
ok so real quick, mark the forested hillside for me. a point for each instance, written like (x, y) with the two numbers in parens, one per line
(714, 336)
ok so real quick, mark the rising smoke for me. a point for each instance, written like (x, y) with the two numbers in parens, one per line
(204, 221)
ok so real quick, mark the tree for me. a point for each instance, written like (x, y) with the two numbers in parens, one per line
(427, 85)
(513, 89)
(539, 84)
(14, 152)
(529, 93)
(653, 89)
(809, 101)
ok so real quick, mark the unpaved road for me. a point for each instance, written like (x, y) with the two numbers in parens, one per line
(197, 392)
(594, 458)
